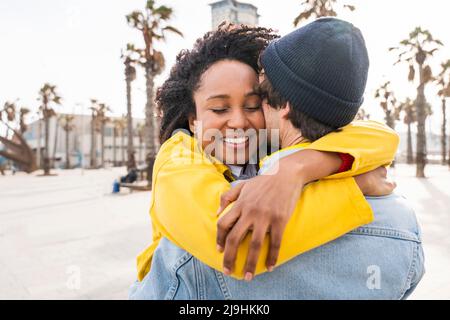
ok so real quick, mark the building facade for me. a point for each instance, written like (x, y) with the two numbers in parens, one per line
(80, 141)
(234, 12)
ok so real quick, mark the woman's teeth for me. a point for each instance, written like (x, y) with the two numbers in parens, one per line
(236, 140)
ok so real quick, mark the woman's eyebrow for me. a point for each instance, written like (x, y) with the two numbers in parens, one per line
(219, 96)
(225, 96)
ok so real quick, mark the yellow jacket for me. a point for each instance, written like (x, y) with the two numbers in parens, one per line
(187, 185)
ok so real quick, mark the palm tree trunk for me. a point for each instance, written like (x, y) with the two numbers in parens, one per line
(114, 147)
(151, 135)
(47, 143)
(38, 148)
(140, 150)
(102, 137)
(421, 134)
(391, 124)
(67, 150)
(93, 144)
(123, 162)
(131, 163)
(55, 144)
(390, 120)
(444, 134)
(409, 152)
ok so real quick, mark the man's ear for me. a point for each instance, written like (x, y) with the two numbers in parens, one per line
(285, 111)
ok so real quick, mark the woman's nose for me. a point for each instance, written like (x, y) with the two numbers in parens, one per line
(238, 120)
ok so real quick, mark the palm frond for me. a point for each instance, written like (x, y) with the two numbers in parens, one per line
(173, 30)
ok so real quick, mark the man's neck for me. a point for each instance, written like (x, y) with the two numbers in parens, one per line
(291, 137)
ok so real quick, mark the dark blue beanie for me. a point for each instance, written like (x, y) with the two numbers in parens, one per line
(321, 69)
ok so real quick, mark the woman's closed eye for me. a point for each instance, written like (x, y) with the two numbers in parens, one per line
(253, 108)
(219, 110)
(249, 108)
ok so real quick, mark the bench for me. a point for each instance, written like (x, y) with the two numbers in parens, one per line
(136, 186)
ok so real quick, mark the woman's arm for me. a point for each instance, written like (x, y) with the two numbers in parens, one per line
(186, 199)
(193, 192)
(370, 143)
(266, 203)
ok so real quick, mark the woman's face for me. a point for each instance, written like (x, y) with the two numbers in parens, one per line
(228, 112)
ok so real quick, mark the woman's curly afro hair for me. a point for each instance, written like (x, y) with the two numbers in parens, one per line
(229, 42)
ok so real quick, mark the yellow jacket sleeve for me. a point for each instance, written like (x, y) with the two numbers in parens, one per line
(372, 144)
(186, 196)
(186, 200)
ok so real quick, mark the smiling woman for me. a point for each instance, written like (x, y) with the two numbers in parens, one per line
(228, 112)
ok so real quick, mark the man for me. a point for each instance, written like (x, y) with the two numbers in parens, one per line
(314, 81)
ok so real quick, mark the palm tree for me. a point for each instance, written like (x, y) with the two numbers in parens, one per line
(9, 108)
(414, 51)
(152, 24)
(102, 120)
(48, 96)
(140, 133)
(94, 129)
(388, 103)
(130, 60)
(117, 127)
(443, 82)
(362, 114)
(22, 114)
(121, 126)
(66, 123)
(408, 107)
(98, 121)
(55, 145)
(317, 9)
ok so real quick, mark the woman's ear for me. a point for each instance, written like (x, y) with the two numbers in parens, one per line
(191, 119)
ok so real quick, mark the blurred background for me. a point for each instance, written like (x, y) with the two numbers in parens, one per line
(78, 126)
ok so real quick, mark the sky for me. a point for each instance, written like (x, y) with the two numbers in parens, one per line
(76, 45)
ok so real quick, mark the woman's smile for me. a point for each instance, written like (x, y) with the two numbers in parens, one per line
(228, 112)
(236, 143)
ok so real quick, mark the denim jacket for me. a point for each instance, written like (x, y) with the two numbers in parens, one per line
(381, 260)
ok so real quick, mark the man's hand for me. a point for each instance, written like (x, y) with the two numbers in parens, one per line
(375, 183)
(264, 205)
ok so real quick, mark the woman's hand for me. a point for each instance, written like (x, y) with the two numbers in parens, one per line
(375, 183)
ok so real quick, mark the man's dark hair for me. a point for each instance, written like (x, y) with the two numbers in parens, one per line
(229, 42)
(310, 128)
